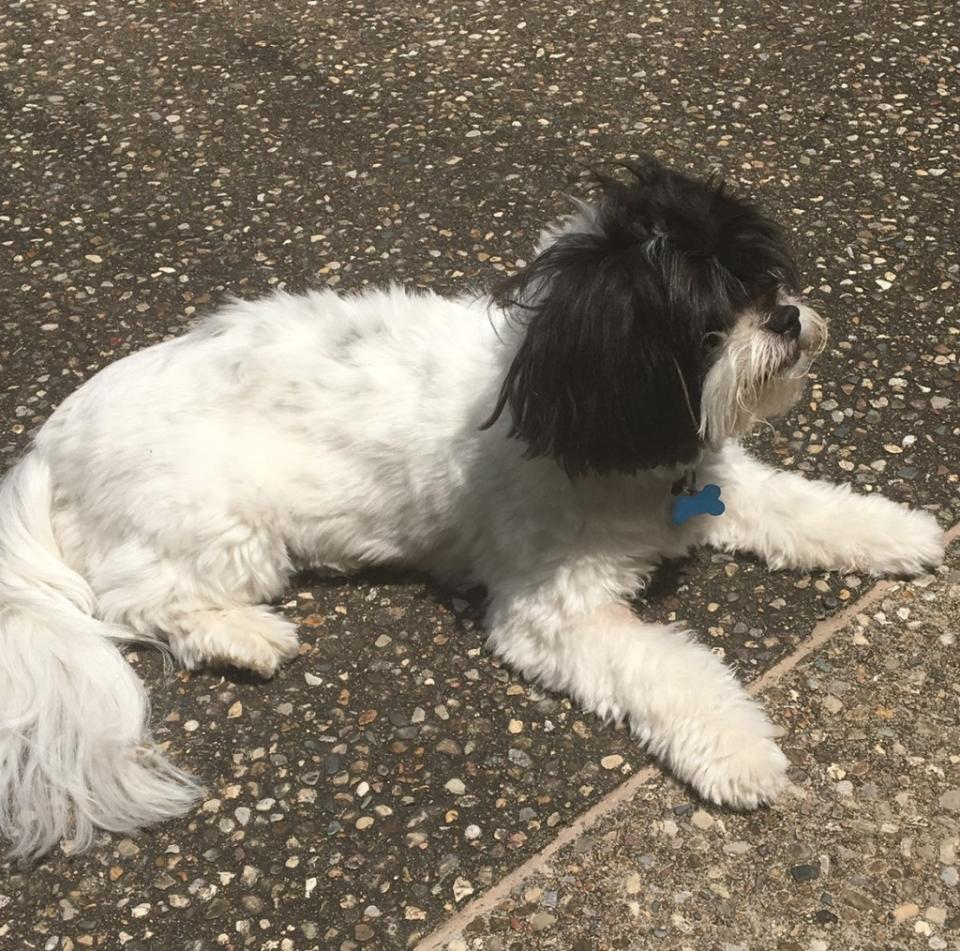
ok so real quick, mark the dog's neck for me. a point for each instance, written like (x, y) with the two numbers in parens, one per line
(686, 483)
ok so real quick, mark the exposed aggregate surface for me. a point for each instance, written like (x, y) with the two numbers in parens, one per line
(158, 156)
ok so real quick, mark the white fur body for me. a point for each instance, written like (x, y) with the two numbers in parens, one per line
(170, 497)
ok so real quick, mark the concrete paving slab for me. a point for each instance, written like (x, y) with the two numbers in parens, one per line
(159, 156)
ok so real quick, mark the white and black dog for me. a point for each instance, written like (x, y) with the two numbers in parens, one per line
(534, 441)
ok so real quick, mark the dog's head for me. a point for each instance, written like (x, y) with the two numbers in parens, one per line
(661, 318)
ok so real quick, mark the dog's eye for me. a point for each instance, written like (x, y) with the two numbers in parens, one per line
(712, 341)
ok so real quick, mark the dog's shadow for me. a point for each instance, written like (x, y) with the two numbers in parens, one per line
(417, 587)
(664, 584)
(460, 604)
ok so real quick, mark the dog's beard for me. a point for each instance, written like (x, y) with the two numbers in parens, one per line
(757, 375)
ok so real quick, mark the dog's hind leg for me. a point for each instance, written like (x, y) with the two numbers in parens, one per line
(206, 603)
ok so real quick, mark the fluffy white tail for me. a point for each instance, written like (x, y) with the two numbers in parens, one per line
(75, 753)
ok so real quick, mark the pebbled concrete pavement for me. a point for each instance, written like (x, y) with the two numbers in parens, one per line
(159, 155)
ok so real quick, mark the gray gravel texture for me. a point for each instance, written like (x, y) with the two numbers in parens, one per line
(861, 853)
(158, 156)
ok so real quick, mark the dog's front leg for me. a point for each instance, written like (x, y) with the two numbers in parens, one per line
(793, 522)
(675, 694)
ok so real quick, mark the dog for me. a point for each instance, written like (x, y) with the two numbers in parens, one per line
(535, 441)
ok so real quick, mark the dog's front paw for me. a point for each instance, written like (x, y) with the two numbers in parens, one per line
(751, 773)
(732, 760)
(903, 542)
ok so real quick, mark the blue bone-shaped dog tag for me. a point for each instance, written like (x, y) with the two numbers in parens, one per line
(705, 502)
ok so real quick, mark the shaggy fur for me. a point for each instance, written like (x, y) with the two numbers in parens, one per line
(529, 441)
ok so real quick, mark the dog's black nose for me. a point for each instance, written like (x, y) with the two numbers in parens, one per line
(785, 320)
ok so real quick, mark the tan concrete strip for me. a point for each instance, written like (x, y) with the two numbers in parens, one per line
(490, 899)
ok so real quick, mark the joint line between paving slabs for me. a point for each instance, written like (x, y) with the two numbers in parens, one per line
(487, 902)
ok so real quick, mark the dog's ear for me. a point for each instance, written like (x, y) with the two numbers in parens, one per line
(607, 376)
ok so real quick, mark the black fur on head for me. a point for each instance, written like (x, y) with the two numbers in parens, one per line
(618, 318)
